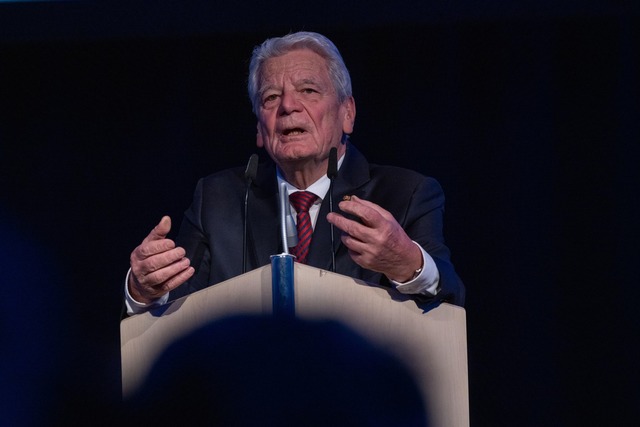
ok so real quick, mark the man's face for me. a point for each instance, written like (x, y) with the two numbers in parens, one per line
(299, 115)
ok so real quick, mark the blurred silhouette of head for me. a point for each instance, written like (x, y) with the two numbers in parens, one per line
(251, 371)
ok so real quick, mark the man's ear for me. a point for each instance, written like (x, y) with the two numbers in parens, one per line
(259, 140)
(349, 118)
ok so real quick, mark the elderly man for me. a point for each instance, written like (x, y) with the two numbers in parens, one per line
(390, 218)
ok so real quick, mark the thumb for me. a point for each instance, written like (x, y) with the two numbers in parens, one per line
(161, 230)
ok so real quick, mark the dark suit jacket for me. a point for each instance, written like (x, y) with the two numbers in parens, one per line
(212, 228)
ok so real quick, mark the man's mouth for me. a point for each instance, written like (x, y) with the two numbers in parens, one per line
(293, 132)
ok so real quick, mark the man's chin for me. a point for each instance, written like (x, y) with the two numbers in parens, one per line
(295, 160)
(296, 153)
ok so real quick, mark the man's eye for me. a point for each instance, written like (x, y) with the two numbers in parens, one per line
(308, 90)
(270, 98)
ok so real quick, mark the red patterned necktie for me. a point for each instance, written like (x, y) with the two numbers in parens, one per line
(302, 201)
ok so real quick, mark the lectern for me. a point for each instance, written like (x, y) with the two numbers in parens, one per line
(430, 340)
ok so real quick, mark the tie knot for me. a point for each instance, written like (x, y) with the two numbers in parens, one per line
(302, 200)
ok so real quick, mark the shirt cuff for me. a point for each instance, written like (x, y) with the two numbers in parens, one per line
(426, 282)
(135, 307)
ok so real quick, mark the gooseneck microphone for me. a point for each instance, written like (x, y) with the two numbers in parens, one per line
(332, 172)
(249, 176)
(287, 225)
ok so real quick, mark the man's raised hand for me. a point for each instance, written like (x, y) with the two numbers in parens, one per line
(157, 265)
(377, 242)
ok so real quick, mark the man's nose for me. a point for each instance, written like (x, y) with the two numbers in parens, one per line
(289, 102)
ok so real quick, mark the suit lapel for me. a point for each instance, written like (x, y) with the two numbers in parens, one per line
(319, 252)
(263, 216)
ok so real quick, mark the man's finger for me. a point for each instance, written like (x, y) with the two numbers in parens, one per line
(178, 279)
(343, 224)
(369, 213)
(154, 278)
(160, 231)
(382, 211)
(152, 288)
(146, 265)
(349, 227)
(154, 247)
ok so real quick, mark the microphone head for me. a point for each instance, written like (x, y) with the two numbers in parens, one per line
(332, 168)
(252, 168)
(287, 225)
(291, 231)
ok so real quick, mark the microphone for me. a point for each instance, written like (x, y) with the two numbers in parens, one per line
(287, 225)
(332, 172)
(249, 176)
(252, 168)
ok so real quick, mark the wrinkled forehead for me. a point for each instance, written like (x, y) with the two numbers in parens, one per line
(296, 65)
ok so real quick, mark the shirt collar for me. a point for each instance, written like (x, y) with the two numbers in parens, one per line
(319, 188)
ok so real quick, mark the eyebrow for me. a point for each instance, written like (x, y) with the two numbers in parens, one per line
(318, 83)
(308, 81)
(303, 81)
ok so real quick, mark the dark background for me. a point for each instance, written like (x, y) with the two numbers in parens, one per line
(528, 113)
